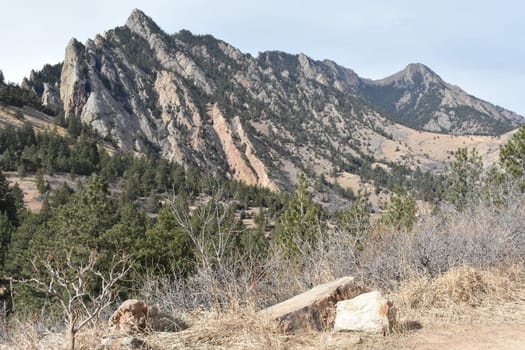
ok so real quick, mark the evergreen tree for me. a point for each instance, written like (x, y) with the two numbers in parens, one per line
(19, 257)
(512, 154)
(6, 230)
(21, 170)
(8, 200)
(167, 247)
(463, 177)
(127, 235)
(41, 185)
(401, 212)
(61, 196)
(74, 126)
(78, 225)
(299, 226)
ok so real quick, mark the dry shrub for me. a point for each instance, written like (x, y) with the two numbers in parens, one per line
(462, 286)
(44, 330)
(33, 334)
(483, 236)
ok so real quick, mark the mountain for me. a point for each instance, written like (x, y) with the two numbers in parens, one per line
(419, 98)
(198, 100)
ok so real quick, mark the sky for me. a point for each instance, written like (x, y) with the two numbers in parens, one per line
(477, 45)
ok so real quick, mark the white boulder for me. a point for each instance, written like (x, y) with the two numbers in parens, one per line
(368, 312)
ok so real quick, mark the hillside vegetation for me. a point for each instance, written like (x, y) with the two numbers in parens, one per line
(198, 253)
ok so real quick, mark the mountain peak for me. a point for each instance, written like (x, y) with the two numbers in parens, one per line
(141, 24)
(418, 68)
(413, 73)
(138, 15)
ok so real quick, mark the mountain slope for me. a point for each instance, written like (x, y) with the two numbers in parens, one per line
(198, 100)
(419, 98)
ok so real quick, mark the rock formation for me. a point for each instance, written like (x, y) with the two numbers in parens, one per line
(130, 316)
(197, 100)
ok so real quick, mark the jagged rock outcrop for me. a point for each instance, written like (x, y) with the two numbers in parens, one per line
(74, 87)
(198, 100)
(51, 98)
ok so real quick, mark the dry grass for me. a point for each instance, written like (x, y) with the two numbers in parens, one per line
(242, 329)
(36, 334)
(465, 298)
(465, 294)
(464, 286)
(431, 150)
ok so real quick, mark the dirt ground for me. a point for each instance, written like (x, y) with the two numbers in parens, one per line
(454, 337)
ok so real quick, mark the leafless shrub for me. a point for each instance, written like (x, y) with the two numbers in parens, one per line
(481, 236)
(68, 282)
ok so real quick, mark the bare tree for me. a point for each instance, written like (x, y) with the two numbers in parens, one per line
(229, 275)
(214, 238)
(71, 284)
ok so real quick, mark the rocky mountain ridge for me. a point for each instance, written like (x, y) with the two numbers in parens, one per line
(419, 98)
(198, 100)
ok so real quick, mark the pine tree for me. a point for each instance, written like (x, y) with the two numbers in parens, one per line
(299, 226)
(512, 154)
(8, 202)
(19, 257)
(401, 212)
(463, 177)
(127, 235)
(41, 185)
(167, 247)
(6, 230)
(78, 225)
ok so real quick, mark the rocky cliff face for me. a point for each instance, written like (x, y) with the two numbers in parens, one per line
(196, 99)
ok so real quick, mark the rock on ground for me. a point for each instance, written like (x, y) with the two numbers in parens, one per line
(130, 316)
(369, 312)
(315, 308)
(136, 316)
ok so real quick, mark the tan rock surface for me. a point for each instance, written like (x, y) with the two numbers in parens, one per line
(130, 316)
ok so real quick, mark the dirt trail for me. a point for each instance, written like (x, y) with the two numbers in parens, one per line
(456, 337)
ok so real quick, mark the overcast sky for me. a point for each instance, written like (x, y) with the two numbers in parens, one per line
(478, 45)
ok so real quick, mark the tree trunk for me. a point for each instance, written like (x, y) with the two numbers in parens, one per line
(72, 334)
